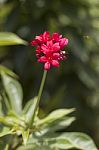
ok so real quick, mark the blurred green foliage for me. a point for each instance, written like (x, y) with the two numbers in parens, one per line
(76, 82)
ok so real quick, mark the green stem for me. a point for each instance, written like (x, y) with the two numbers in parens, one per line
(39, 95)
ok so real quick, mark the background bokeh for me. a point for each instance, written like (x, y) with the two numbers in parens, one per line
(76, 82)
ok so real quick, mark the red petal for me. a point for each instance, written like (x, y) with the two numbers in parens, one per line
(56, 55)
(38, 50)
(33, 43)
(46, 35)
(63, 42)
(55, 37)
(50, 43)
(42, 59)
(44, 48)
(55, 63)
(39, 38)
(47, 66)
(56, 47)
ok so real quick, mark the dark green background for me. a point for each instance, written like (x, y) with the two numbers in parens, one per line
(76, 82)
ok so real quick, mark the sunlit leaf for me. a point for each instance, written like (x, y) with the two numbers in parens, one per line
(30, 111)
(8, 121)
(62, 144)
(6, 147)
(75, 140)
(14, 92)
(56, 125)
(25, 136)
(8, 71)
(66, 141)
(5, 131)
(27, 106)
(55, 115)
(6, 103)
(35, 147)
(8, 38)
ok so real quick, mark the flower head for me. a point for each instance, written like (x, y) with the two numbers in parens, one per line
(50, 49)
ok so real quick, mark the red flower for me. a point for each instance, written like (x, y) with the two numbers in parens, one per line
(50, 49)
(43, 38)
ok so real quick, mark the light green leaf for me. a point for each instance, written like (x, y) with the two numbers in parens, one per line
(8, 38)
(8, 121)
(62, 123)
(1, 110)
(56, 125)
(25, 136)
(6, 147)
(13, 121)
(17, 119)
(6, 103)
(76, 140)
(14, 92)
(7, 71)
(62, 144)
(34, 147)
(5, 131)
(66, 141)
(55, 115)
(30, 110)
(27, 147)
(27, 106)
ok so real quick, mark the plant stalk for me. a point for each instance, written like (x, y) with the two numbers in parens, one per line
(39, 95)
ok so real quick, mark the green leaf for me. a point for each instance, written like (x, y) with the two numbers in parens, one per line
(56, 125)
(14, 92)
(7, 71)
(69, 140)
(5, 131)
(25, 136)
(62, 123)
(55, 115)
(30, 110)
(13, 121)
(6, 147)
(62, 144)
(6, 103)
(1, 109)
(35, 147)
(27, 106)
(27, 147)
(8, 38)
(8, 121)
(76, 140)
